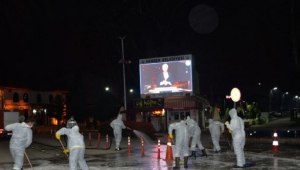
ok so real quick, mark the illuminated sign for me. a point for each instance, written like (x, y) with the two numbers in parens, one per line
(140, 103)
(235, 94)
(166, 76)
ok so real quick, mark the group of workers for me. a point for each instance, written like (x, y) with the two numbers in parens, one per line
(188, 129)
(185, 130)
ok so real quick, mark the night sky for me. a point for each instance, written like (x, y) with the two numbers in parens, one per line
(47, 44)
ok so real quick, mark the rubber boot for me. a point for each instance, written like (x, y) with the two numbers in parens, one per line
(193, 154)
(186, 161)
(204, 153)
(177, 159)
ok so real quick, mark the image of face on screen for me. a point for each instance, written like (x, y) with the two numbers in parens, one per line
(165, 78)
(168, 77)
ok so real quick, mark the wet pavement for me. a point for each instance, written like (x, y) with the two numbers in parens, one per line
(46, 154)
(289, 158)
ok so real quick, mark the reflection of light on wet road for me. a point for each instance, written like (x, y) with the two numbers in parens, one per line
(275, 165)
(134, 161)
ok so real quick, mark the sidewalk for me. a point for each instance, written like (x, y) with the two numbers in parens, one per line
(276, 123)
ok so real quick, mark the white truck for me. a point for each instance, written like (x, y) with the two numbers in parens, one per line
(7, 117)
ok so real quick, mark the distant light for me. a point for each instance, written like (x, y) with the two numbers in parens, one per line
(259, 84)
(131, 90)
(188, 63)
(288, 131)
(106, 88)
(34, 111)
(275, 88)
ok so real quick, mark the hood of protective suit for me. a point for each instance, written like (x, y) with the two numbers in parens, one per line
(187, 118)
(75, 128)
(119, 117)
(233, 113)
(189, 121)
(210, 121)
(23, 124)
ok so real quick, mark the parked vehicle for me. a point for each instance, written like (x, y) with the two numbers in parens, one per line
(275, 114)
(7, 117)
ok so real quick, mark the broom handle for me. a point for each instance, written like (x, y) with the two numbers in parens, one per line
(28, 160)
(62, 146)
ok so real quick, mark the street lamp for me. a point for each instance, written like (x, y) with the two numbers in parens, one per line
(270, 98)
(283, 96)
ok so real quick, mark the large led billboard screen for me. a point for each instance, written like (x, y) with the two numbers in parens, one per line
(166, 76)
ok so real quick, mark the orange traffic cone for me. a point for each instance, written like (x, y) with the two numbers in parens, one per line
(275, 147)
(169, 153)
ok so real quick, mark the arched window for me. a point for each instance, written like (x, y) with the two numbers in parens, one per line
(39, 98)
(50, 98)
(25, 97)
(16, 97)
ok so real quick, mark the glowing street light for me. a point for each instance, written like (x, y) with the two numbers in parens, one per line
(270, 98)
(283, 96)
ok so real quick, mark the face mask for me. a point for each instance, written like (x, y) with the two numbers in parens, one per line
(30, 125)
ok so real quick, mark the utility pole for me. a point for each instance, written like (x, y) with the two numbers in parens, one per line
(124, 78)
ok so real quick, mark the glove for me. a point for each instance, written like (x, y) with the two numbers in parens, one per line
(222, 131)
(171, 136)
(229, 131)
(226, 123)
(66, 151)
(57, 136)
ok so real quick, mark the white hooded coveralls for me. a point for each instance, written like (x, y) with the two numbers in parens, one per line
(181, 138)
(238, 136)
(195, 132)
(21, 138)
(76, 147)
(117, 126)
(215, 128)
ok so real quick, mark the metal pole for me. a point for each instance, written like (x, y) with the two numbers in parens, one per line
(282, 103)
(270, 98)
(124, 80)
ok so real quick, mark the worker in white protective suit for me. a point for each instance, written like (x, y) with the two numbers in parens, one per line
(21, 138)
(215, 129)
(236, 128)
(117, 126)
(76, 147)
(195, 133)
(181, 133)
